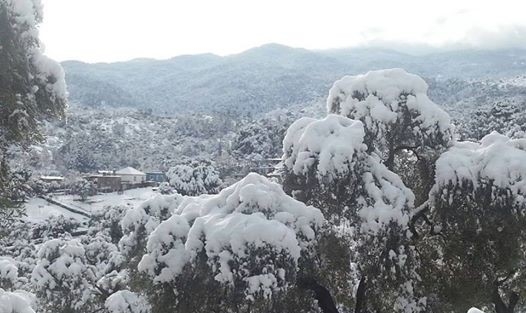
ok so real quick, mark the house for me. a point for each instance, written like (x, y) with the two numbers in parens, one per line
(131, 176)
(157, 177)
(105, 182)
(266, 167)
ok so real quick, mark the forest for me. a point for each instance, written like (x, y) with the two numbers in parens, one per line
(382, 200)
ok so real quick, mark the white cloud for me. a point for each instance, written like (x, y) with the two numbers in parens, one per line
(109, 30)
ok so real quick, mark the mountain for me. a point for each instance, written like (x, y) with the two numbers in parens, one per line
(262, 79)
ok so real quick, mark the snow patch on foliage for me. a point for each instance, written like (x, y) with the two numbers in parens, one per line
(395, 110)
(139, 222)
(16, 302)
(8, 270)
(28, 14)
(62, 265)
(125, 301)
(194, 179)
(377, 94)
(388, 199)
(332, 149)
(496, 160)
(328, 145)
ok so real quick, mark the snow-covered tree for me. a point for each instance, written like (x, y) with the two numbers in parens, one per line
(478, 204)
(84, 189)
(248, 244)
(505, 116)
(260, 139)
(326, 163)
(31, 85)
(194, 178)
(399, 119)
(62, 277)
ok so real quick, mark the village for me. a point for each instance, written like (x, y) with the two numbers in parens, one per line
(105, 181)
(115, 180)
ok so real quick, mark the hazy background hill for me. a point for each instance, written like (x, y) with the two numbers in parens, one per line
(268, 77)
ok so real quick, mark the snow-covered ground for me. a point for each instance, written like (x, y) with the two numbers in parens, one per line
(38, 209)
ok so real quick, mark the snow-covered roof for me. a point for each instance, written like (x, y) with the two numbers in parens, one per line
(129, 171)
(105, 172)
(51, 177)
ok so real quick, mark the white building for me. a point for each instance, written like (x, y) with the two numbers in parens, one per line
(131, 176)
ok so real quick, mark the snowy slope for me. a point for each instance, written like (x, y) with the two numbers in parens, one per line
(38, 209)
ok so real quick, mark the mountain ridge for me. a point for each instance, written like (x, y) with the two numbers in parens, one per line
(263, 78)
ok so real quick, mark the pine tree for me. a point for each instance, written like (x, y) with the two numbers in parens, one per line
(32, 86)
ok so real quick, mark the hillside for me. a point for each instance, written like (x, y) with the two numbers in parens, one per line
(264, 78)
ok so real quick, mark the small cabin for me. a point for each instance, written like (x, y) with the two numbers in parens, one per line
(105, 183)
(158, 177)
(131, 176)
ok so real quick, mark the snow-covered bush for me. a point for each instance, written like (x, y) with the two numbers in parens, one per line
(84, 189)
(125, 301)
(165, 188)
(479, 205)
(245, 243)
(139, 222)
(108, 223)
(16, 302)
(54, 227)
(194, 178)
(8, 272)
(62, 278)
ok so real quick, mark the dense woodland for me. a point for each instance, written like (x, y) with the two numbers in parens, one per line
(395, 192)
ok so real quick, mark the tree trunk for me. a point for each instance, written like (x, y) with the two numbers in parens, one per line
(500, 306)
(321, 294)
(360, 296)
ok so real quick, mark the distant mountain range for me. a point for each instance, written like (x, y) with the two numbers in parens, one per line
(264, 78)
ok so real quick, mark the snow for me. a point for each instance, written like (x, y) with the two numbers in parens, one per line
(38, 210)
(28, 14)
(496, 160)
(129, 198)
(194, 179)
(333, 149)
(253, 213)
(124, 301)
(62, 264)
(328, 144)
(25, 10)
(475, 310)
(129, 171)
(16, 302)
(8, 270)
(387, 198)
(50, 68)
(392, 104)
(145, 218)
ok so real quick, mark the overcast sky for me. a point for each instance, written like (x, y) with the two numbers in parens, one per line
(117, 30)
